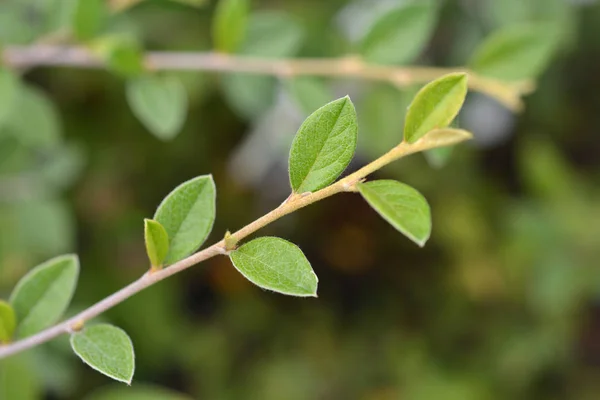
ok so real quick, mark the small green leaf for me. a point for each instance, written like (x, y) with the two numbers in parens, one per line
(516, 52)
(160, 103)
(400, 205)
(9, 87)
(107, 349)
(438, 157)
(88, 18)
(41, 297)
(276, 264)
(157, 242)
(323, 146)
(229, 24)
(400, 34)
(187, 214)
(8, 322)
(435, 106)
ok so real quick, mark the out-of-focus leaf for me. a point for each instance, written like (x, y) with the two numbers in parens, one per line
(399, 35)
(276, 264)
(229, 24)
(270, 35)
(157, 242)
(89, 17)
(44, 227)
(160, 103)
(308, 93)
(107, 349)
(139, 392)
(435, 106)
(17, 379)
(9, 92)
(121, 53)
(516, 52)
(41, 297)
(187, 214)
(323, 146)
(8, 322)
(34, 119)
(402, 206)
(439, 157)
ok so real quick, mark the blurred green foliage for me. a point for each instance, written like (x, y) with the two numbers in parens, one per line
(503, 302)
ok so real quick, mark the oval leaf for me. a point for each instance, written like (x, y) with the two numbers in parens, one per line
(41, 297)
(9, 86)
(160, 103)
(187, 214)
(107, 349)
(323, 146)
(435, 106)
(399, 35)
(276, 264)
(8, 322)
(157, 242)
(515, 52)
(229, 24)
(400, 205)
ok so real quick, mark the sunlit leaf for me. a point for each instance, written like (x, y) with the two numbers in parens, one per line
(435, 106)
(323, 146)
(401, 205)
(8, 322)
(187, 214)
(41, 297)
(157, 242)
(107, 349)
(276, 264)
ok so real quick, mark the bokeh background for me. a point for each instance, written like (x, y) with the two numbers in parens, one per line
(503, 302)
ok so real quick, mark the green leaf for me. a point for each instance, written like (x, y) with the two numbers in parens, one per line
(438, 157)
(34, 120)
(157, 242)
(8, 322)
(276, 264)
(42, 296)
(229, 24)
(435, 106)
(187, 214)
(400, 34)
(400, 205)
(160, 103)
(9, 87)
(144, 392)
(19, 380)
(323, 146)
(107, 349)
(516, 52)
(308, 93)
(89, 17)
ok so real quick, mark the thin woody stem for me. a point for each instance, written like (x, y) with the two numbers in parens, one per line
(507, 93)
(293, 203)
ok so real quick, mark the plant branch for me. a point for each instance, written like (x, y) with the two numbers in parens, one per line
(294, 203)
(508, 93)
